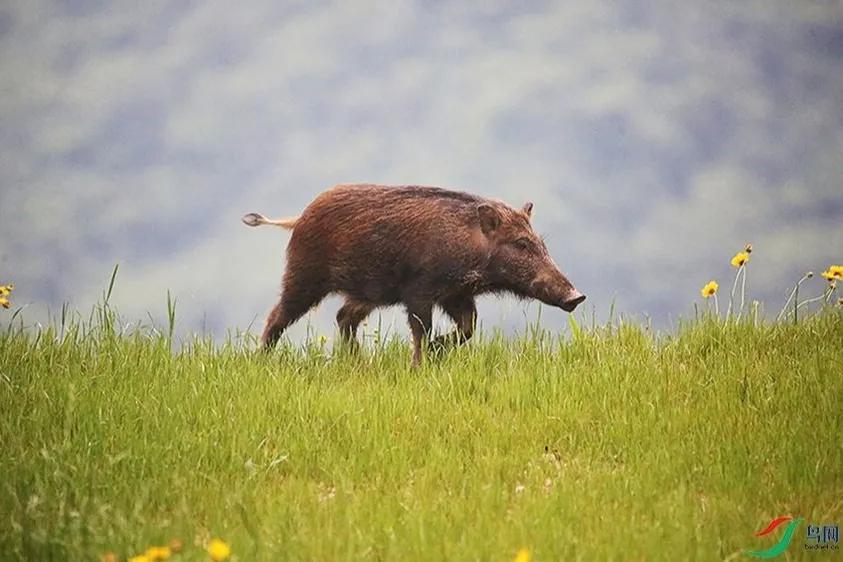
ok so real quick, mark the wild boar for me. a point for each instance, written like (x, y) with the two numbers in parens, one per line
(414, 245)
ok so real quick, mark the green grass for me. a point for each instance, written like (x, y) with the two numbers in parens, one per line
(611, 445)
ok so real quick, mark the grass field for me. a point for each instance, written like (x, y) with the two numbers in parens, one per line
(611, 444)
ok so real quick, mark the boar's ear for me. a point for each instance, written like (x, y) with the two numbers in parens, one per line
(528, 209)
(489, 219)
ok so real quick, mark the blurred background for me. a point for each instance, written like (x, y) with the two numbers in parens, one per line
(655, 140)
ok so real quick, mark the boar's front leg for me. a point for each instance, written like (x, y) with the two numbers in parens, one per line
(463, 312)
(420, 316)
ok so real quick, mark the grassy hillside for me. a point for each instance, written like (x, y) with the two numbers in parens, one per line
(612, 444)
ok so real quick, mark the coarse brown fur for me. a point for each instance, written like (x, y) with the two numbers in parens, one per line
(414, 245)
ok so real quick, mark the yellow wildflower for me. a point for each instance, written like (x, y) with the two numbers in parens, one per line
(740, 259)
(828, 276)
(836, 271)
(140, 558)
(523, 555)
(218, 550)
(5, 291)
(156, 553)
(709, 289)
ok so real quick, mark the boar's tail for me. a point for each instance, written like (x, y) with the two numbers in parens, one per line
(257, 219)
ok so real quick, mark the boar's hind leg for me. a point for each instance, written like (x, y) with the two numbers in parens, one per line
(464, 314)
(295, 301)
(420, 316)
(349, 317)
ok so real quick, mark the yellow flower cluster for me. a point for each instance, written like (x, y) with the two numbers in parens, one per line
(741, 258)
(709, 289)
(833, 273)
(523, 555)
(218, 550)
(5, 291)
(152, 554)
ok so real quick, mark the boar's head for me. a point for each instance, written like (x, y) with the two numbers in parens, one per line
(519, 261)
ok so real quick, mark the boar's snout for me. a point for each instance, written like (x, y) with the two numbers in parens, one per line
(553, 288)
(575, 298)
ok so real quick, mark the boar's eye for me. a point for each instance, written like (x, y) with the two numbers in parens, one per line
(523, 244)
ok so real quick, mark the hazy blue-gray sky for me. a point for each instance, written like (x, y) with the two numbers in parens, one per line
(654, 138)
